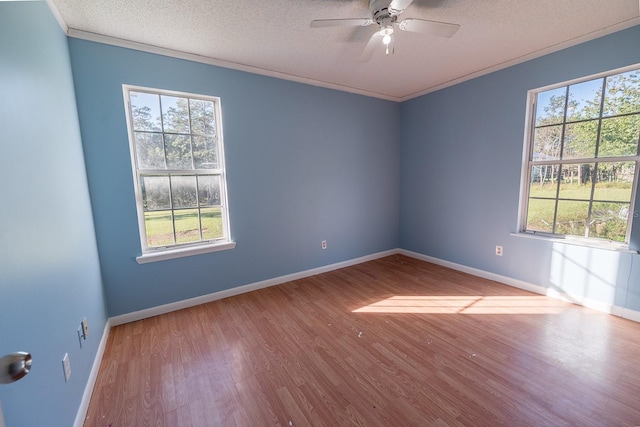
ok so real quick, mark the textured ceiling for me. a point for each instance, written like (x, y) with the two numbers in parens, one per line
(274, 37)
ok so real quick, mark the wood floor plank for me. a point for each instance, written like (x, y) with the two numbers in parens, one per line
(396, 341)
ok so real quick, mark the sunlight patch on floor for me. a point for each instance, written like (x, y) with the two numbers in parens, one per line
(450, 304)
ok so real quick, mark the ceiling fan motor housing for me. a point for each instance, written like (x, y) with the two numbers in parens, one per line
(385, 14)
(381, 14)
(383, 8)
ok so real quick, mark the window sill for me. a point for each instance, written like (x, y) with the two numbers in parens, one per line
(163, 255)
(576, 241)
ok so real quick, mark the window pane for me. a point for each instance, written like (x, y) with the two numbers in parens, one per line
(211, 223)
(159, 228)
(546, 143)
(550, 106)
(609, 221)
(601, 120)
(622, 94)
(572, 218)
(187, 226)
(544, 181)
(173, 135)
(155, 193)
(183, 191)
(576, 181)
(145, 111)
(205, 152)
(584, 100)
(619, 136)
(178, 149)
(149, 150)
(209, 190)
(580, 140)
(614, 181)
(175, 114)
(202, 118)
(540, 215)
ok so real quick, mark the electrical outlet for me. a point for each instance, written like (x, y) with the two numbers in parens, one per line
(66, 367)
(324, 244)
(499, 250)
(85, 328)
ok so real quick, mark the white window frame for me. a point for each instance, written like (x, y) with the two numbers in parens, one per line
(151, 254)
(527, 162)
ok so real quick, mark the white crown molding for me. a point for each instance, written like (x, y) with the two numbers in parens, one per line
(528, 57)
(84, 35)
(56, 14)
(113, 41)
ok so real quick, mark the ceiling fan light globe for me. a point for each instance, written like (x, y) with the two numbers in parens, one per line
(386, 39)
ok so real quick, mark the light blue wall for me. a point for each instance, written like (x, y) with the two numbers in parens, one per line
(49, 271)
(305, 164)
(461, 154)
(438, 175)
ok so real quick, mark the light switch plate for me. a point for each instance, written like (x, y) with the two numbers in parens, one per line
(66, 366)
(85, 328)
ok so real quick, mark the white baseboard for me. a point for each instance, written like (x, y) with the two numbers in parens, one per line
(477, 272)
(93, 376)
(520, 284)
(627, 313)
(179, 305)
(552, 293)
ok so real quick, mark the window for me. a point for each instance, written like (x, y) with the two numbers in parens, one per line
(178, 165)
(581, 158)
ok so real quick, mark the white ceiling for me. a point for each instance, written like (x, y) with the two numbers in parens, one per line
(273, 37)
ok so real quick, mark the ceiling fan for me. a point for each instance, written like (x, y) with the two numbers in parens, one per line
(385, 14)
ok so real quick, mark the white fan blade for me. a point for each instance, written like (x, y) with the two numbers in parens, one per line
(374, 42)
(355, 22)
(432, 28)
(397, 6)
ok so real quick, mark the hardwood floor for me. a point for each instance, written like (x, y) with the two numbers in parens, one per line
(392, 342)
